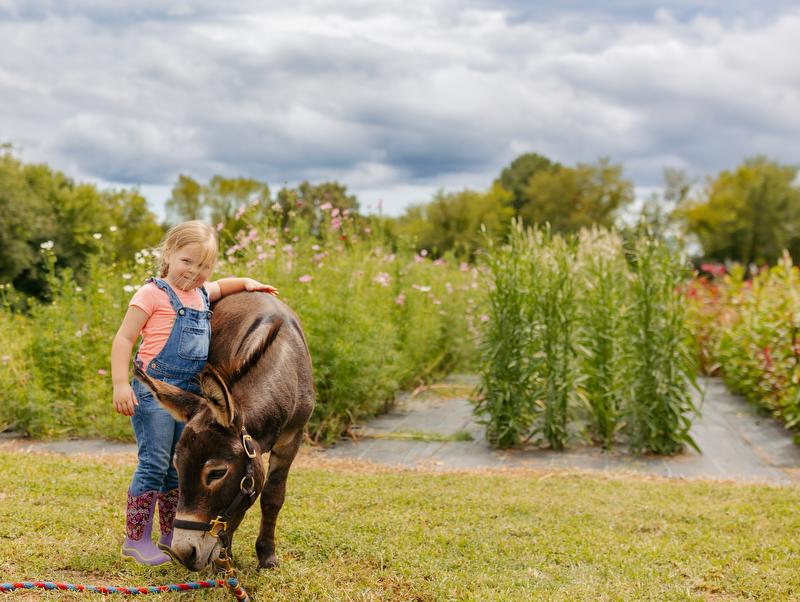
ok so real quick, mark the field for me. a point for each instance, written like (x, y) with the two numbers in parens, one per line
(352, 531)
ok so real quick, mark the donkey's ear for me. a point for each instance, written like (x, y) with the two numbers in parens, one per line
(181, 404)
(217, 396)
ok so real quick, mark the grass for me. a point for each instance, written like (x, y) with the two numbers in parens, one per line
(422, 436)
(353, 532)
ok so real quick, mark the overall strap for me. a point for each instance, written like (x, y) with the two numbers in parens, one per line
(173, 298)
(204, 295)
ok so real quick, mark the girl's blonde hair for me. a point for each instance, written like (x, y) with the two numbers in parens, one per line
(184, 234)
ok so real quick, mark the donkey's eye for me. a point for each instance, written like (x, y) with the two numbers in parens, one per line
(215, 475)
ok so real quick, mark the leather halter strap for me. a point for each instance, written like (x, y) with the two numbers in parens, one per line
(247, 491)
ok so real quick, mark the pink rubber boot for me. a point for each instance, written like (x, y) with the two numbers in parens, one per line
(167, 504)
(139, 527)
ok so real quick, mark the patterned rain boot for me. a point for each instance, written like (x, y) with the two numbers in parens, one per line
(139, 526)
(167, 504)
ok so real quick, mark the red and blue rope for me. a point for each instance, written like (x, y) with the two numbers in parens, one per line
(231, 583)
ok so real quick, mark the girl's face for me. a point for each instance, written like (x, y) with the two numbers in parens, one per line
(186, 270)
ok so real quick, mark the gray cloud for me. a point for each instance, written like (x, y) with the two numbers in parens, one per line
(394, 98)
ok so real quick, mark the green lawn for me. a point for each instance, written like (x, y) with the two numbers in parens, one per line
(349, 532)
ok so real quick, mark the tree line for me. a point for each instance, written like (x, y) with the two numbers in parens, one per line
(749, 214)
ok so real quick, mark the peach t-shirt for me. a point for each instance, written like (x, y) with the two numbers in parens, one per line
(155, 303)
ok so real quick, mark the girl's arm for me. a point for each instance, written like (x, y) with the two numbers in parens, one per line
(125, 400)
(227, 286)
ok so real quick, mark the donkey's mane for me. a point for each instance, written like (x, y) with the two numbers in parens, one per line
(233, 372)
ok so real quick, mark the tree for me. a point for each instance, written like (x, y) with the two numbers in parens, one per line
(748, 215)
(186, 202)
(570, 198)
(223, 196)
(39, 204)
(454, 221)
(516, 177)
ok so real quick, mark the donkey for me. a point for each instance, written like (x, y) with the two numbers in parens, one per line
(258, 394)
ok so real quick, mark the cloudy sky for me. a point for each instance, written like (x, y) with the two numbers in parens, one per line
(398, 98)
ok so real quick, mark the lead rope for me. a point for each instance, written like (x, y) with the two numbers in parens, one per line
(231, 582)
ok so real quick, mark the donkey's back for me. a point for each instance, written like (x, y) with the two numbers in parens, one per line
(278, 397)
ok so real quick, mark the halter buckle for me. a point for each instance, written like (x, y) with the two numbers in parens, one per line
(251, 450)
(217, 525)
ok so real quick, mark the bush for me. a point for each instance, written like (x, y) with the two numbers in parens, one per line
(377, 318)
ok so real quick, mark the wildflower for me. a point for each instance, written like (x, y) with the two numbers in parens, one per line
(128, 288)
(401, 299)
(101, 290)
(421, 288)
(276, 207)
(381, 278)
(46, 245)
(367, 230)
(6, 359)
(270, 242)
(326, 206)
(484, 318)
(305, 278)
(336, 223)
(102, 371)
(112, 229)
(78, 289)
(287, 248)
(439, 261)
(315, 247)
(418, 258)
(97, 236)
(448, 287)
(424, 252)
(240, 212)
(464, 266)
(127, 276)
(262, 256)
(219, 226)
(335, 212)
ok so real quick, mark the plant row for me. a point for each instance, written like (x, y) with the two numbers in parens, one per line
(586, 338)
(747, 330)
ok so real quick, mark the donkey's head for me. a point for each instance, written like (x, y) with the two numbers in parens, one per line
(219, 465)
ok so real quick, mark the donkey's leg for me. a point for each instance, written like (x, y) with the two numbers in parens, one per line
(280, 460)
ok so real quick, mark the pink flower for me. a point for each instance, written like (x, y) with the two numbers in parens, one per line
(464, 266)
(102, 372)
(335, 212)
(401, 299)
(418, 258)
(381, 278)
(6, 358)
(439, 261)
(484, 318)
(336, 223)
(219, 226)
(305, 278)
(326, 206)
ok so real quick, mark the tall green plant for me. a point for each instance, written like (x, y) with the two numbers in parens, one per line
(604, 354)
(551, 312)
(663, 365)
(504, 403)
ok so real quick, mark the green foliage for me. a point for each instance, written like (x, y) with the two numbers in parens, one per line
(376, 321)
(453, 222)
(576, 336)
(603, 313)
(747, 331)
(663, 364)
(218, 201)
(571, 198)
(748, 215)
(39, 205)
(516, 177)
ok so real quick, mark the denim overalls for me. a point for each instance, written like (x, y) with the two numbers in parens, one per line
(184, 355)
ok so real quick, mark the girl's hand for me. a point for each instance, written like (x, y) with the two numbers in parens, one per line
(254, 285)
(125, 401)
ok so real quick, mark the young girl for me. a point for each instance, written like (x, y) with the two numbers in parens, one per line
(172, 314)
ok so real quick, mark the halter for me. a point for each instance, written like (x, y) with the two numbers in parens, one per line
(219, 526)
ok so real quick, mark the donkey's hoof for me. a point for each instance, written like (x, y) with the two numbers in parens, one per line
(270, 563)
